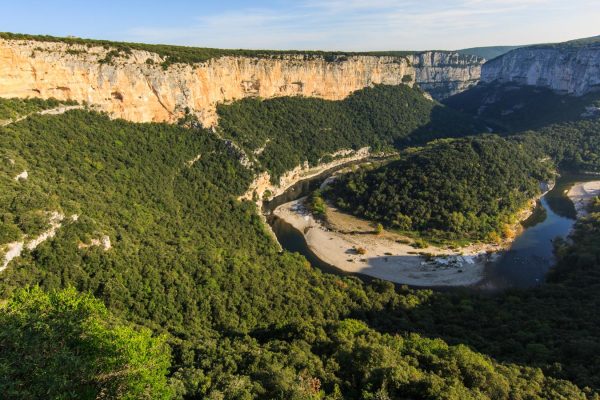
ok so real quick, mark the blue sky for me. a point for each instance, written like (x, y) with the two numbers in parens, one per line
(310, 24)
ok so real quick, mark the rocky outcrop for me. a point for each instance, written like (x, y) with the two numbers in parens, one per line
(134, 85)
(262, 187)
(443, 74)
(570, 68)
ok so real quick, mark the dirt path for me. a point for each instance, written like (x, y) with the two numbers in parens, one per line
(51, 111)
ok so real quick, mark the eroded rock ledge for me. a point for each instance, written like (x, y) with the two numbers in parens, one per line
(135, 86)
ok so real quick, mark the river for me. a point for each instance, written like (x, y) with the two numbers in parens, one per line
(524, 264)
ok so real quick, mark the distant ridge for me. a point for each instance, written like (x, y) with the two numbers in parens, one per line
(488, 52)
(576, 43)
(491, 52)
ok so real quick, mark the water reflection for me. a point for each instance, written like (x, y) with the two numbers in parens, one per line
(531, 255)
(525, 264)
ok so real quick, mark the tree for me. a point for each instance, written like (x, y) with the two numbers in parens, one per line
(64, 344)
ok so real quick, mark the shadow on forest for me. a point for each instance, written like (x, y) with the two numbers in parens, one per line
(512, 108)
(555, 327)
(440, 119)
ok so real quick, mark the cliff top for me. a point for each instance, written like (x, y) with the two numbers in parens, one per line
(172, 54)
(571, 44)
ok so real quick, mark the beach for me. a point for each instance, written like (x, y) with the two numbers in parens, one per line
(388, 256)
(581, 194)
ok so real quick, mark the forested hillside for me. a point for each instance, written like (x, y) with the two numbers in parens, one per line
(457, 189)
(564, 127)
(284, 132)
(573, 145)
(188, 260)
(513, 108)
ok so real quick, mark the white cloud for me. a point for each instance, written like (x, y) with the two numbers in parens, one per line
(385, 24)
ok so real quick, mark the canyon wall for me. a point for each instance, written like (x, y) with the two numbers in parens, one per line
(136, 87)
(569, 68)
(443, 74)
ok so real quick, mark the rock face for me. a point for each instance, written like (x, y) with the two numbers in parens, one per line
(443, 74)
(566, 68)
(134, 86)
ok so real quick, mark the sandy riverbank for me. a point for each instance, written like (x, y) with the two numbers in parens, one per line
(581, 194)
(386, 257)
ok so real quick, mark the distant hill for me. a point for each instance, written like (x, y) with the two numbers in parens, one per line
(488, 52)
(491, 52)
(576, 43)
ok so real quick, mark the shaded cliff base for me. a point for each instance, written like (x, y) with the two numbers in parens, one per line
(508, 107)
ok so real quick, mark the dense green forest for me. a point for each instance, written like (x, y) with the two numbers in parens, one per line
(572, 145)
(555, 327)
(67, 345)
(291, 130)
(242, 319)
(565, 128)
(457, 189)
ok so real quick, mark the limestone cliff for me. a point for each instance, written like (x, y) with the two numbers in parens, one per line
(443, 74)
(134, 85)
(572, 67)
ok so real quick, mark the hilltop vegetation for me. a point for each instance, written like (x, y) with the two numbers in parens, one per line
(458, 189)
(172, 54)
(571, 44)
(283, 133)
(67, 345)
(188, 260)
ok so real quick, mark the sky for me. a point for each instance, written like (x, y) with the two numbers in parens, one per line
(350, 25)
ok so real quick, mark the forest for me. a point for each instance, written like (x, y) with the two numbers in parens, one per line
(562, 127)
(454, 189)
(282, 133)
(195, 267)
